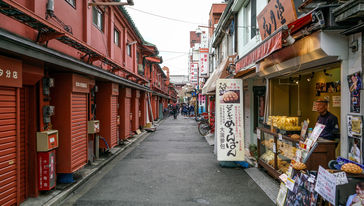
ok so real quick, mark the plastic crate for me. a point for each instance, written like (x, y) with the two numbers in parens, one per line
(340, 161)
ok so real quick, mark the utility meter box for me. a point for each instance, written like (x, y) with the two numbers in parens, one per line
(47, 140)
(93, 126)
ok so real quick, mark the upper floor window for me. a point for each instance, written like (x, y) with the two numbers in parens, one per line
(116, 37)
(98, 18)
(128, 49)
(72, 2)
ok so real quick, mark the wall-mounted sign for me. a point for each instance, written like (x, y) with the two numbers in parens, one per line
(274, 15)
(229, 120)
(10, 72)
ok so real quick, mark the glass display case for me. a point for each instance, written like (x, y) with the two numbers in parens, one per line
(275, 151)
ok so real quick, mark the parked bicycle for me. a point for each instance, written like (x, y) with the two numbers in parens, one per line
(205, 127)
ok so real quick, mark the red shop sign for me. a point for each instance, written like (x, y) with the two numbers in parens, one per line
(10, 72)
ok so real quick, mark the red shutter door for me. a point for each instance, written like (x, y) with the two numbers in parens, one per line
(8, 173)
(114, 128)
(78, 131)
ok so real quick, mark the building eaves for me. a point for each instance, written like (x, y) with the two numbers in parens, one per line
(224, 20)
(132, 24)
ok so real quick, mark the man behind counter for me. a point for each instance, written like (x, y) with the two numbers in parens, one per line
(331, 131)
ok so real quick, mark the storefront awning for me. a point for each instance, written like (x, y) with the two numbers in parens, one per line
(271, 44)
(319, 48)
(268, 46)
(153, 59)
(220, 72)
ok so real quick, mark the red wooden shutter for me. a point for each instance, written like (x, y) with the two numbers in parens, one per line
(114, 128)
(8, 170)
(79, 131)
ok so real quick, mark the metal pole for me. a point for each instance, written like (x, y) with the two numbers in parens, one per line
(198, 90)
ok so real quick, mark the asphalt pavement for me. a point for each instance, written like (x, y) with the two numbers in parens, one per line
(172, 166)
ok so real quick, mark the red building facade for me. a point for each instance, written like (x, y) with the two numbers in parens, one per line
(66, 68)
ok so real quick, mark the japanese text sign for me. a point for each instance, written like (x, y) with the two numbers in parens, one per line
(229, 120)
(274, 15)
(193, 72)
(204, 62)
(10, 72)
(201, 103)
(326, 185)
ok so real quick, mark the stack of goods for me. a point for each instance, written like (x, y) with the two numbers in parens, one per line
(283, 166)
(284, 123)
(299, 166)
(268, 157)
(287, 150)
(351, 168)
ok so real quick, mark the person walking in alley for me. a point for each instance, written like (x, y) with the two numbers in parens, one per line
(191, 110)
(174, 110)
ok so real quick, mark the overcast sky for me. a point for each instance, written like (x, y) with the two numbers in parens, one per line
(171, 37)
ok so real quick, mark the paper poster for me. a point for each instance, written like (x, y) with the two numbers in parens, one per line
(326, 185)
(303, 192)
(229, 120)
(315, 134)
(355, 149)
(355, 85)
(336, 101)
(281, 198)
(355, 125)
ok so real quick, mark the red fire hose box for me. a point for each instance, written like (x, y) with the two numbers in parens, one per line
(47, 170)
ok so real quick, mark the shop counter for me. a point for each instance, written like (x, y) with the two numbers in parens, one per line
(276, 152)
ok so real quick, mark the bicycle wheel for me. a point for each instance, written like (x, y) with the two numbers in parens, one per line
(203, 128)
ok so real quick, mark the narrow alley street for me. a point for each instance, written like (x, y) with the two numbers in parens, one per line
(173, 166)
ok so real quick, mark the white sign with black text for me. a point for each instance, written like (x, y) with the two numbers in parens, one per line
(229, 120)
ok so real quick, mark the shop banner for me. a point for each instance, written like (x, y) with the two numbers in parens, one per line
(229, 120)
(326, 185)
(201, 103)
(204, 62)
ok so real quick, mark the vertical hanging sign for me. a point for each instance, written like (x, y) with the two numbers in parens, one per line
(204, 62)
(193, 73)
(229, 122)
(201, 103)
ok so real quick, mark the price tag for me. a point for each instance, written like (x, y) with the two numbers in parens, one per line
(341, 178)
(290, 184)
(274, 148)
(280, 136)
(298, 155)
(283, 177)
(258, 134)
